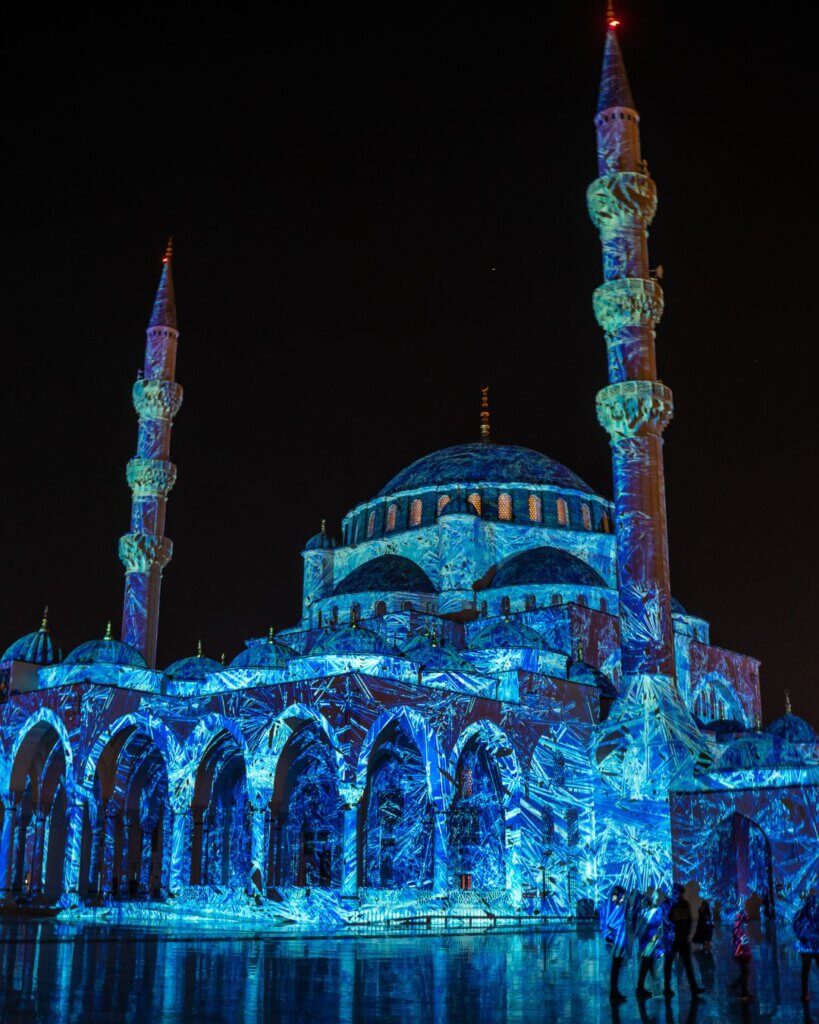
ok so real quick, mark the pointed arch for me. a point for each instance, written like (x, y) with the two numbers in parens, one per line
(495, 740)
(28, 734)
(419, 732)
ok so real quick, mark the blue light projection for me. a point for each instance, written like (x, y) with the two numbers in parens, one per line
(492, 706)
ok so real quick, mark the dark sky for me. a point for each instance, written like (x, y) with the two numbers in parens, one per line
(374, 214)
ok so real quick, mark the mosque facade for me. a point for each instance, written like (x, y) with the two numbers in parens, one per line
(492, 705)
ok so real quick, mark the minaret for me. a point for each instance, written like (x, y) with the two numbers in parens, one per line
(145, 550)
(636, 407)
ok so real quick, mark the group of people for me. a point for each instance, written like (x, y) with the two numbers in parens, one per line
(655, 926)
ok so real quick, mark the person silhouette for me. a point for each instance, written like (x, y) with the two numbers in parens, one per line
(704, 932)
(741, 945)
(649, 937)
(615, 926)
(679, 917)
(806, 927)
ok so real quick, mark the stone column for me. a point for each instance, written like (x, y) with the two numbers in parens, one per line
(39, 819)
(107, 851)
(259, 848)
(97, 840)
(440, 853)
(349, 850)
(73, 848)
(180, 854)
(7, 845)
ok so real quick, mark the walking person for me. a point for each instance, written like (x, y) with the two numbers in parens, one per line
(680, 921)
(741, 943)
(806, 927)
(649, 938)
(704, 932)
(614, 925)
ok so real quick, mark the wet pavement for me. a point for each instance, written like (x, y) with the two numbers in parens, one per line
(88, 973)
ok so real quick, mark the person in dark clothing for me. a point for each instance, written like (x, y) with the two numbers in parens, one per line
(742, 952)
(806, 927)
(680, 922)
(704, 932)
(649, 937)
(615, 926)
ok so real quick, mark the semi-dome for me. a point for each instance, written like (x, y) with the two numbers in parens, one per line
(582, 672)
(106, 651)
(484, 463)
(388, 573)
(36, 648)
(545, 566)
(266, 652)
(506, 632)
(793, 729)
(351, 639)
(193, 669)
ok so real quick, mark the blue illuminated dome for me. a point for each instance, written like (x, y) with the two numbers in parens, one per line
(386, 573)
(264, 653)
(194, 669)
(483, 463)
(36, 648)
(321, 540)
(350, 640)
(545, 566)
(107, 651)
(792, 729)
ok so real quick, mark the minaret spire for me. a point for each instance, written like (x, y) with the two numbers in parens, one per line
(145, 550)
(485, 425)
(636, 407)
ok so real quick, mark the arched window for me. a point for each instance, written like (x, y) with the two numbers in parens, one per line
(320, 619)
(535, 508)
(334, 613)
(562, 512)
(605, 522)
(416, 511)
(392, 511)
(475, 501)
(483, 609)
(443, 501)
(371, 524)
(505, 506)
(572, 827)
(530, 602)
(506, 605)
(585, 511)
(406, 606)
(582, 600)
(604, 605)
(557, 599)
(380, 608)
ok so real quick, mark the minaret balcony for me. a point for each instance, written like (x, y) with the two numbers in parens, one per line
(157, 399)
(624, 198)
(150, 478)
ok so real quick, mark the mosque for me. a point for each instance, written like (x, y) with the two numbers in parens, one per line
(492, 704)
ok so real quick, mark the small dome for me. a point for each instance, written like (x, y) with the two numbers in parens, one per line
(504, 632)
(759, 750)
(580, 672)
(321, 540)
(435, 655)
(36, 648)
(194, 669)
(483, 463)
(107, 651)
(544, 566)
(265, 652)
(386, 573)
(792, 729)
(350, 640)
(723, 726)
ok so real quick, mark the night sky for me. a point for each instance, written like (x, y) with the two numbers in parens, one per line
(373, 215)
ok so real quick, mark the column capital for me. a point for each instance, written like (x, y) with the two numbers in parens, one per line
(634, 408)
(621, 198)
(628, 302)
(150, 478)
(140, 552)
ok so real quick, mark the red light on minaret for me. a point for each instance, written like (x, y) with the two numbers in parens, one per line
(613, 22)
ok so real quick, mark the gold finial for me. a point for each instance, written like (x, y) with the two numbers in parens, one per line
(579, 651)
(168, 251)
(199, 649)
(109, 633)
(223, 659)
(270, 635)
(44, 623)
(485, 414)
(788, 709)
(324, 526)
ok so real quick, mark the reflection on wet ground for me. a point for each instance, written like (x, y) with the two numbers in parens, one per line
(60, 972)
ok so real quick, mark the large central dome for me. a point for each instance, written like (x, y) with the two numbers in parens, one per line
(483, 463)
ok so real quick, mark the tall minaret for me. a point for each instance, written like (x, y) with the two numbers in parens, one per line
(145, 551)
(636, 407)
